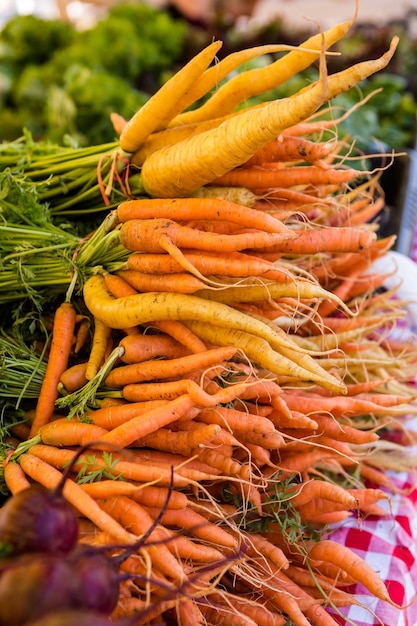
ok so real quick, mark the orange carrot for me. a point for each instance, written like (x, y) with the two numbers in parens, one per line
(172, 389)
(45, 474)
(178, 331)
(336, 429)
(313, 240)
(144, 494)
(138, 348)
(170, 368)
(111, 416)
(14, 477)
(256, 178)
(236, 420)
(354, 565)
(61, 345)
(196, 524)
(82, 335)
(183, 442)
(238, 611)
(140, 472)
(208, 263)
(137, 427)
(64, 432)
(189, 613)
(180, 282)
(159, 235)
(117, 286)
(73, 378)
(259, 545)
(185, 209)
(290, 148)
(132, 515)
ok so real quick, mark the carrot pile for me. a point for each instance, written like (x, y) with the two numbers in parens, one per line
(238, 366)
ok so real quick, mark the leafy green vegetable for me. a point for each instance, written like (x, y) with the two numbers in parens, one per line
(55, 80)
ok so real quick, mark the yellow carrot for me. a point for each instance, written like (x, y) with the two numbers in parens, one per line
(180, 169)
(145, 307)
(157, 110)
(259, 80)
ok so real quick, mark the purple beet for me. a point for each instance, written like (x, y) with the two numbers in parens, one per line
(37, 520)
(98, 578)
(32, 585)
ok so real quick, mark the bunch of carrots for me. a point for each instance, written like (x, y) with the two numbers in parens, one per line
(236, 367)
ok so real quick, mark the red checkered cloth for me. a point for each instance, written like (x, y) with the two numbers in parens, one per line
(389, 545)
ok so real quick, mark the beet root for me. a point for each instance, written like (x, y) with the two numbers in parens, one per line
(32, 586)
(37, 520)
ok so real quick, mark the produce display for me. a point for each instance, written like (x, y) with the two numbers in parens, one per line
(203, 377)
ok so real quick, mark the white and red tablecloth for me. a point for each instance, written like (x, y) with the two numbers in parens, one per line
(389, 543)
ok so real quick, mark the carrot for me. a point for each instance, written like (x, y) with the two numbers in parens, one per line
(257, 81)
(158, 110)
(208, 263)
(354, 565)
(137, 427)
(118, 122)
(268, 441)
(132, 515)
(73, 378)
(183, 442)
(65, 432)
(256, 178)
(140, 472)
(82, 335)
(314, 240)
(162, 235)
(144, 494)
(240, 292)
(185, 209)
(237, 195)
(233, 609)
(343, 432)
(189, 613)
(47, 475)
(211, 77)
(98, 350)
(172, 389)
(180, 169)
(196, 524)
(155, 369)
(125, 312)
(61, 346)
(169, 459)
(14, 477)
(180, 282)
(257, 545)
(302, 461)
(290, 148)
(300, 366)
(126, 433)
(188, 550)
(178, 331)
(138, 348)
(109, 417)
(117, 286)
(236, 420)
